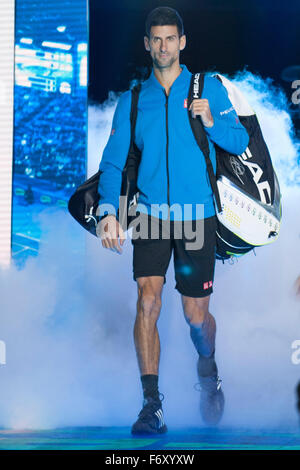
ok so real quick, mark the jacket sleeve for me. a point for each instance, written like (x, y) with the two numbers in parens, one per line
(115, 155)
(227, 131)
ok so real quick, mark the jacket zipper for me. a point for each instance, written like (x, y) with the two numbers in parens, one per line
(167, 151)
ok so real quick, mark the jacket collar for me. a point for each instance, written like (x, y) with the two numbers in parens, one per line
(182, 79)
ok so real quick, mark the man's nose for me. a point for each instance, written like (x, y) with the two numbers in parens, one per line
(163, 45)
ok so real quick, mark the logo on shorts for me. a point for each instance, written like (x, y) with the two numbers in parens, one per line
(207, 285)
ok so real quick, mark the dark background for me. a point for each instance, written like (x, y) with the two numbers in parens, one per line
(227, 36)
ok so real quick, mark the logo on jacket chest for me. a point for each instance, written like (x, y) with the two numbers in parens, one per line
(185, 103)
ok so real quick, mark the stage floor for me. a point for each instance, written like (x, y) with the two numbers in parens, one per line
(119, 438)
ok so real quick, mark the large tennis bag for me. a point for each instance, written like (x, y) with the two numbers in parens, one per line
(246, 189)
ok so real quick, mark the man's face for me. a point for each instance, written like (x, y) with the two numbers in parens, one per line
(164, 45)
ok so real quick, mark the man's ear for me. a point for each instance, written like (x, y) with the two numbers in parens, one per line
(146, 43)
(182, 42)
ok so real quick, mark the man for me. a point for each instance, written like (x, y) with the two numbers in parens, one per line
(172, 172)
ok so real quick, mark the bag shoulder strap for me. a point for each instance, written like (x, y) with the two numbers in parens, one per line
(133, 111)
(132, 152)
(195, 92)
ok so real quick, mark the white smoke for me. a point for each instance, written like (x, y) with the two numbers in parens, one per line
(67, 316)
(273, 112)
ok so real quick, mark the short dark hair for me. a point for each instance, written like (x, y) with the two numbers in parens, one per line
(161, 16)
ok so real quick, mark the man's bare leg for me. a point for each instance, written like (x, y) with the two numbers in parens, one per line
(203, 333)
(146, 336)
(150, 419)
(202, 323)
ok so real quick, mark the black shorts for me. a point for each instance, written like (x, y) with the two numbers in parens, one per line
(194, 264)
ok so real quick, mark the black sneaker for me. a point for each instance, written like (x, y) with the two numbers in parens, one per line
(151, 418)
(211, 398)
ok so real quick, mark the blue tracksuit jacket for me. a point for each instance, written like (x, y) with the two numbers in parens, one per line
(172, 168)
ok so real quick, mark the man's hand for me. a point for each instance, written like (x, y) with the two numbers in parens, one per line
(109, 230)
(201, 108)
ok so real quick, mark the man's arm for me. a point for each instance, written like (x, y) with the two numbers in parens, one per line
(115, 154)
(227, 131)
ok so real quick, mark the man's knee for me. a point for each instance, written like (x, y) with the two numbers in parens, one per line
(195, 309)
(149, 295)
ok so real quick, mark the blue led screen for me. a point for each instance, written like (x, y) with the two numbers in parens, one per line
(50, 112)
